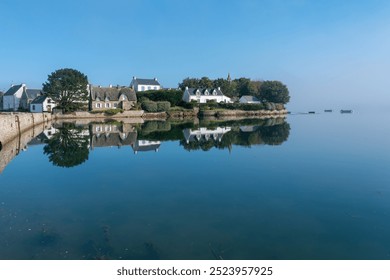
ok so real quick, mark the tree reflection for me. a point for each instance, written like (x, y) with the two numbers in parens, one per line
(68, 147)
(263, 133)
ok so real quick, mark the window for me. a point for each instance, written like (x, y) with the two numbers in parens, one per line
(115, 105)
(149, 87)
(33, 107)
(142, 88)
(98, 105)
(155, 87)
(107, 105)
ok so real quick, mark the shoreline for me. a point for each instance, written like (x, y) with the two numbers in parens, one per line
(15, 123)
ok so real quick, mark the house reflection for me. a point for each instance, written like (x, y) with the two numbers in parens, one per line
(146, 146)
(204, 133)
(112, 135)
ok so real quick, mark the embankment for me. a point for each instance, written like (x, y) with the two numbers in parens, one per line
(14, 124)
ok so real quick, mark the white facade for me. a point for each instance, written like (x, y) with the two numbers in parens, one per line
(11, 99)
(203, 132)
(205, 95)
(139, 84)
(45, 104)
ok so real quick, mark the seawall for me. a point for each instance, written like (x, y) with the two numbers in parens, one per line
(14, 124)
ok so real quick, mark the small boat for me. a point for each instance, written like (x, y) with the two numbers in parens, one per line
(312, 112)
(345, 111)
(328, 111)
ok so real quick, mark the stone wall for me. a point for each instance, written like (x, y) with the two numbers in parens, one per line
(88, 115)
(13, 124)
(12, 148)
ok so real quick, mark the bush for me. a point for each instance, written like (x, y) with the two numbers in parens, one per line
(174, 97)
(149, 106)
(187, 105)
(111, 112)
(163, 106)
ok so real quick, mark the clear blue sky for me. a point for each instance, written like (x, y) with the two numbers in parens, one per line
(329, 53)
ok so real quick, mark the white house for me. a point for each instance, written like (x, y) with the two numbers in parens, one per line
(145, 146)
(204, 95)
(145, 84)
(11, 99)
(42, 104)
(205, 133)
(248, 99)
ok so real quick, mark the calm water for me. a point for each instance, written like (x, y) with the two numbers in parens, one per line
(309, 187)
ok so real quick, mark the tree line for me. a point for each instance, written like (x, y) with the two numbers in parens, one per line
(270, 91)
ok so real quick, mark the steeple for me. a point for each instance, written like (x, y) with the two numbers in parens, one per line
(228, 78)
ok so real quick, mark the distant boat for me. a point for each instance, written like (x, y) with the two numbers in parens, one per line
(312, 112)
(345, 111)
(328, 111)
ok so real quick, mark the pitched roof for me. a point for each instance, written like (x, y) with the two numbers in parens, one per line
(112, 93)
(250, 98)
(113, 139)
(192, 91)
(13, 90)
(33, 93)
(148, 82)
(39, 100)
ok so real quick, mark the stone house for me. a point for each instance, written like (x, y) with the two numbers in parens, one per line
(28, 96)
(145, 84)
(104, 98)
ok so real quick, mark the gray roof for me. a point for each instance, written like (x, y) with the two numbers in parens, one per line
(192, 91)
(151, 147)
(39, 100)
(113, 139)
(148, 82)
(33, 93)
(250, 98)
(112, 93)
(13, 90)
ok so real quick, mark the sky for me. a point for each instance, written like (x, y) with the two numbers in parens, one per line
(330, 54)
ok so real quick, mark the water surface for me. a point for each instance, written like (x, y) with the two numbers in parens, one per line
(309, 187)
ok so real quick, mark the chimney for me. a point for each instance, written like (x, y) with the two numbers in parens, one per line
(186, 88)
(110, 86)
(219, 88)
(155, 79)
(134, 78)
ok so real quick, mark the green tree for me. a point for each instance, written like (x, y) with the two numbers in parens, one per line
(245, 86)
(68, 87)
(68, 147)
(274, 91)
(189, 82)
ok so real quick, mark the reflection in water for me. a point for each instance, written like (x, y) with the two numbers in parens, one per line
(33, 136)
(263, 133)
(68, 147)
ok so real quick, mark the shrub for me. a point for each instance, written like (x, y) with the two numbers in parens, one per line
(187, 105)
(111, 112)
(149, 106)
(163, 106)
(174, 97)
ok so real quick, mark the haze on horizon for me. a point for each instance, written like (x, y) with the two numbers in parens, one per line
(329, 53)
